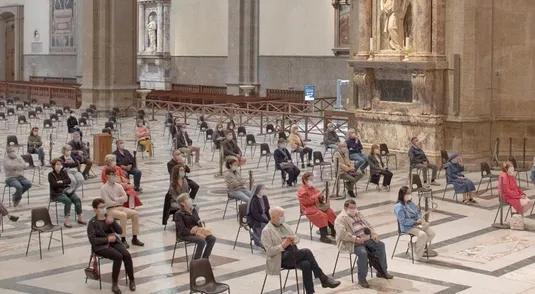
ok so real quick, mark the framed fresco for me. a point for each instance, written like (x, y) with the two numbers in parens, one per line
(63, 26)
(341, 27)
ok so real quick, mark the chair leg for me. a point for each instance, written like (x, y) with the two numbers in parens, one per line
(336, 262)
(237, 234)
(478, 185)
(296, 281)
(395, 246)
(174, 250)
(62, 246)
(187, 259)
(225, 211)
(30, 238)
(264, 284)
(50, 240)
(99, 274)
(40, 251)
(412, 250)
(286, 280)
(352, 266)
(298, 221)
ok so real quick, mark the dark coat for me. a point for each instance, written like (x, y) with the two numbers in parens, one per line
(417, 156)
(184, 221)
(98, 233)
(281, 155)
(74, 164)
(124, 159)
(56, 189)
(181, 142)
(376, 166)
(354, 145)
(72, 124)
(255, 215)
(230, 148)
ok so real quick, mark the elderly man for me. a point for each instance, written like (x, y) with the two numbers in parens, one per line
(352, 238)
(81, 151)
(419, 160)
(14, 168)
(126, 161)
(179, 160)
(298, 145)
(184, 144)
(282, 252)
(346, 169)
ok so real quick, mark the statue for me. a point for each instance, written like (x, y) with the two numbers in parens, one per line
(151, 33)
(395, 11)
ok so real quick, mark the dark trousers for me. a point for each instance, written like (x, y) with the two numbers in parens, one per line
(304, 260)
(293, 173)
(203, 244)
(194, 188)
(302, 151)
(137, 176)
(118, 253)
(387, 177)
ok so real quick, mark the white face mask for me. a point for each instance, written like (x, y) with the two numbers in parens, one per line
(352, 212)
(230, 137)
(121, 146)
(189, 203)
(310, 183)
(408, 197)
(67, 153)
(112, 179)
(58, 168)
(233, 167)
(102, 211)
(261, 193)
(511, 171)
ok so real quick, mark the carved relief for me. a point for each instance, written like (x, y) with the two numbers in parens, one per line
(62, 26)
(363, 79)
(421, 92)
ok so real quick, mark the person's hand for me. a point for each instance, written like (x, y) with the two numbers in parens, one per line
(129, 186)
(112, 238)
(359, 241)
(419, 221)
(194, 230)
(321, 197)
(375, 238)
(286, 242)
(109, 220)
(291, 238)
(60, 182)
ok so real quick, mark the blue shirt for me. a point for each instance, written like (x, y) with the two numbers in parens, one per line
(407, 215)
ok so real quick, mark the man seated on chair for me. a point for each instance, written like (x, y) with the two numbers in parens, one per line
(283, 160)
(143, 136)
(331, 139)
(351, 238)
(419, 160)
(346, 169)
(121, 179)
(4, 212)
(235, 183)
(102, 232)
(281, 249)
(14, 169)
(114, 196)
(184, 144)
(355, 151)
(35, 145)
(179, 160)
(298, 146)
(230, 148)
(72, 124)
(81, 152)
(126, 161)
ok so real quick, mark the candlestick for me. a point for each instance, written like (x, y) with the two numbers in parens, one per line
(407, 43)
(371, 44)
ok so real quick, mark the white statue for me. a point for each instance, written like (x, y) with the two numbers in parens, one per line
(151, 33)
(395, 11)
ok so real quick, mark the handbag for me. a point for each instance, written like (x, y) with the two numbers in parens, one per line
(323, 206)
(286, 165)
(517, 222)
(203, 232)
(92, 273)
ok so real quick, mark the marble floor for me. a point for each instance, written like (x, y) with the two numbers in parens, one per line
(473, 257)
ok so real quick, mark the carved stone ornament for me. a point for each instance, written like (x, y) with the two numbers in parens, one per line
(420, 91)
(336, 3)
(364, 81)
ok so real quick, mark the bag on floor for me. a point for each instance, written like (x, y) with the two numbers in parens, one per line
(92, 273)
(517, 222)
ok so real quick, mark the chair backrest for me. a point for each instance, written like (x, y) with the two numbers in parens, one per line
(47, 123)
(28, 159)
(82, 121)
(54, 117)
(19, 106)
(203, 126)
(169, 121)
(242, 214)
(264, 149)
(200, 268)
(52, 103)
(169, 115)
(21, 119)
(317, 157)
(282, 135)
(416, 182)
(90, 111)
(112, 119)
(26, 103)
(209, 134)
(399, 228)
(33, 101)
(512, 159)
(9, 101)
(2, 104)
(66, 109)
(485, 169)
(32, 114)
(38, 109)
(93, 106)
(2, 115)
(242, 131)
(10, 111)
(141, 111)
(12, 140)
(59, 112)
(84, 115)
(444, 156)
(108, 125)
(106, 131)
(250, 139)
(383, 149)
(270, 129)
(46, 106)
(116, 110)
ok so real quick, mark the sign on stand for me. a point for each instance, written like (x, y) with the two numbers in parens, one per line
(310, 93)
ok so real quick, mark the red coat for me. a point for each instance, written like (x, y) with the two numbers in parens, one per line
(119, 172)
(511, 192)
(308, 196)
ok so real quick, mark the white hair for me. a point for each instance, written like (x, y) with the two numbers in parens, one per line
(109, 158)
(65, 148)
(295, 127)
(275, 210)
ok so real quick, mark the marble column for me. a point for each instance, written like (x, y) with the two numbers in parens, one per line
(141, 27)
(364, 26)
(159, 29)
(438, 46)
(78, 5)
(421, 27)
(109, 72)
(167, 26)
(243, 43)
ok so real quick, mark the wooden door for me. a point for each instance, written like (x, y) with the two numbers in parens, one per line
(10, 51)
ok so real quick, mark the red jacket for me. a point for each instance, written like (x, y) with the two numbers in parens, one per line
(511, 192)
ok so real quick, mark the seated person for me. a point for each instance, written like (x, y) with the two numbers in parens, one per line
(126, 161)
(512, 194)
(346, 169)
(143, 136)
(35, 145)
(102, 232)
(179, 160)
(60, 181)
(281, 248)
(235, 183)
(178, 185)
(219, 135)
(81, 152)
(330, 138)
(282, 134)
(355, 151)
(283, 160)
(532, 175)
(231, 127)
(184, 144)
(298, 145)
(121, 178)
(419, 160)
(190, 228)
(230, 148)
(353, 238)
(309, 196)
(411, 222)
(72, 167)
(114, 196)
(72, 124)
(258, 213)
(14, 169)
(378, 168)
(4, 212)
(454, 175)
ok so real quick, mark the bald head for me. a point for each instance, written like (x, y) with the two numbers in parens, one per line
(276, 213)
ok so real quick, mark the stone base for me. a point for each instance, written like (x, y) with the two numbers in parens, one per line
(106, 99)
(154, 72)
(234, 89)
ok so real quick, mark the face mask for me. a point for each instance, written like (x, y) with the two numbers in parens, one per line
(261, 193)
(331, 129)
(67, 153)
(189, 203)
(102, 211)
(310, 183)
(281, 220)
(511, 171)
(121, 146)
(58, 168)
(35, 133)
(139, 124)
(343, 150)
(220, 129)
(12, 155)
(408, 197)
(112, 179)
(352, 212)
(233, 168)
(282, 146)
(230, 137)
(72, 114)
(181, 174)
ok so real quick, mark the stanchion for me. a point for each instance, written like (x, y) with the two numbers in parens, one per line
(495, 162)
(306, 129)
(221, 159)
(501, 224)
(251, 181)
(336, 195)
(153, 119)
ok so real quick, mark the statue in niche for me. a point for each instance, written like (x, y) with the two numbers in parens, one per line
(151, 28)
(394, 28)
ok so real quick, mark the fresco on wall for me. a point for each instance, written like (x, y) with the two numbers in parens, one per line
(62, 30)
(343, 25)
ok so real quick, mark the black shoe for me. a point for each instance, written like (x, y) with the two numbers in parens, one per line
(351, 194)
(289, 183)
(132, 285)
(138, 189)
(13, 218)
(310, 165)
(115, 289)
(327, 282)
(325, 239)
(364, 284)
(136, 242)
(16, 200)
(125, 244)
(85, 177)
(388, 276)
(302, 165)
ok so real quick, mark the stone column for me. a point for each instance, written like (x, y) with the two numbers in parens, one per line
(166, 26)
(78, 5)
(243, 42)
(421, 27)
(109, 72)
(159, 29)
(364, 26)
(141, 27)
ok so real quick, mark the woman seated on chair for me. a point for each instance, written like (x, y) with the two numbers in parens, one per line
(330, 138)
(283, 161)
(231, 127)
(121, 178)
(178, 185)
(219, 135)
(454, 168)
(411, 221)
(59, 182)
(143, 136)
(230, 148)
(377, 168)
(258, 213)
(72, 166)
(512, 194)
(235, 183)
(190, 228)
(35, 145)
(313, 206)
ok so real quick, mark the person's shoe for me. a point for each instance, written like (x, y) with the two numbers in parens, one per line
(132, 285)
(67, 224)
(351, 194)
(327, 282)
(364, 284)
(434, 183)
(384, 189)
(137, 242)
(85, 177)
(138, 189)
(388, 276)
(432, 253)
(302, 165)
(13, 218)
(325, 239)
(16, 200)
(333, 233)
(115, 289)
(82, 222)
(472, 200)
(310, 165)
(125, 243)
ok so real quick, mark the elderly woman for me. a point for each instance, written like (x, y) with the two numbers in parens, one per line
(298, 145)
(72, 166)
(258, 213)
(230, 148)
(59, 181)
(378, 168)
(310, 199)
(235, 183)
(331, 139)
(454, 168)
(143, 136)
(178, 185)
(411, 221)
(512, 194)
(121, 178)
(35, 145)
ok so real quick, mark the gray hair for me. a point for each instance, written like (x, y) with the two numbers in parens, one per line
(182, 198)
(65, 148)
(109, 158)
(275, 210)
(330, 125)
(295, 127)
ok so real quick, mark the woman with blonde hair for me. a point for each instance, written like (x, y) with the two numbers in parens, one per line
(378, 168)
(355, 151)
(512, 194)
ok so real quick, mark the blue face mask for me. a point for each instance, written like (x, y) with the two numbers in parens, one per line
(281, 220)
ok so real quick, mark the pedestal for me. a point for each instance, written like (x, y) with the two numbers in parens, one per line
(247, 90)
(102, 146)
(154, 71)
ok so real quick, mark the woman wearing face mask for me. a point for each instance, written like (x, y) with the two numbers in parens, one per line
(179, 185)
(258, 213)
(59, 182)
(512, 194)
(231, 127)
(235, 183)
(411, 221)
(378, 168)
(121, 178)
(219, 135)
(190, 228)
(309, 196)
(35, 145)
(331, 139)
(143, 136)
(72, 124)
(230, 148)
(72, 166)
(454, 168)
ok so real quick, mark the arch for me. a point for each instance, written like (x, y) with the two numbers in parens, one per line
(11, 38)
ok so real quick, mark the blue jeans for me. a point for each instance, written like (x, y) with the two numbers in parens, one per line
(137, 176)
(242, 194)
(361, 160)
(362, 257)
(41, 154)
(21, 185)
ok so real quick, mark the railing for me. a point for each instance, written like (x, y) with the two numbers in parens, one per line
(64, 95)
(200, 89)
(285, 94)
(53, 80)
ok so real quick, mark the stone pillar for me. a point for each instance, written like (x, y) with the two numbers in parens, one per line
(78, 5)
(159, 29)
(141, 27)
(364, 27)
(109, 72)
(167, 26)
(243, 42)
(421, 27)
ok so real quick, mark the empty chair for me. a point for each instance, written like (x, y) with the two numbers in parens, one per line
(32, 116)
(2, 104)
(3, 119)
(39, 215)
(270, 132)
(250, 142)
(519, 170)
(9, 101)
(110, 125)
(33, 101)
(48, 125)
(26, 104)
(22, 122)
(53, 103)
(46, 107)
(39, 110)
(242, 222)
(241, 133)
(201, 268)
(12, 141)
(84, 125)
(264, 152)
(317, 158)
(66, 109)
(19, 107)
(486, 174)
(10, 112)
(113, 119)
(209, 138)
(202, 130)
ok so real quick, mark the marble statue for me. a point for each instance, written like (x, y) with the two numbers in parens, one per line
(151, 33)
(395, 11)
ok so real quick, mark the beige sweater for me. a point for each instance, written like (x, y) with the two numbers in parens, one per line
(113, 194)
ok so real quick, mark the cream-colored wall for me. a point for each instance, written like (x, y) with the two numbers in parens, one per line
(296, 27)
(199, 27)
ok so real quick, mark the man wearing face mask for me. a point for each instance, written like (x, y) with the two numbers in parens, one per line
(230, 148)
(185, 145)
(81, 152)
(125, 160)
(72, 124)
(346, 169)
(283, 160)
(14, 169)
(351, 238)
(35, 145)
(419, 160)
(331, 139)
(235, 183)
(281, 249)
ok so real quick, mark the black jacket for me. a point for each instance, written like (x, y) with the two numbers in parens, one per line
(217, 138)
(80, 146)
(124, 159)
(74, 164)
(281, 155)
(172, 163)
(181, 142)
(98, 231)
(255, 215)
(230, 148)
(57, 189)
(72, 124)
(184, 221)
(417, 156)
(376, 166)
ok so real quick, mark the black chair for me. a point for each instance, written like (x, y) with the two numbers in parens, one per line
(250, 142)
(202, 127)
(186, 243)
(282, 287)
(270, 132)
(374, 179)
(142, 149)
(53, 103)
(13, 141)
(519, 170)
(33, 101)
(383, 149)
(486, 174)
(113, 119)
(10, 112)
(84, 125)
(283, 174)
(201, 268)
(318, 161)
(98, 257)
(29, 160)
(299, 221)
(400, 233)
(4, 119)
(444, 157)
(26, 104)
(66, 109)
(109, 125)
(241, 133)
(2, 104)
(209, 138)
(48, 125)
(32, 116)
(243, 224)
(168, 124)
(352, 263)
(41, 214)
(19, 107)
(264, 152)
(22, 122)
(106, 131)
(39, 111)
(55, 120)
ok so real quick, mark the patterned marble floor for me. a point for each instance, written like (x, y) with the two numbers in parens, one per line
(473, 257)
